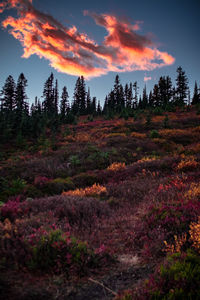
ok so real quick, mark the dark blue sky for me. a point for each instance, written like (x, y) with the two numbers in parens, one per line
(172, 26)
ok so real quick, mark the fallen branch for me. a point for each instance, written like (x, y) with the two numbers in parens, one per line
(101, 284)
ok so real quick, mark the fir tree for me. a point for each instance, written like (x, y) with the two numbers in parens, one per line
(8, 93)
(196, 96)
(64, 104)
(181, 86)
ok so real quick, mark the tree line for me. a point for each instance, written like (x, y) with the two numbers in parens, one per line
(17, 119)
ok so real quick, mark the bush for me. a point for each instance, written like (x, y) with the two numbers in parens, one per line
(84, 179)
(179, 278)
(154, 134)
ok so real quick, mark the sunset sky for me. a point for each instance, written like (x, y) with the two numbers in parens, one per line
(139, 40)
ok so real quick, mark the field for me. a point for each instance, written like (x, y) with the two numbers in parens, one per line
(106, 209)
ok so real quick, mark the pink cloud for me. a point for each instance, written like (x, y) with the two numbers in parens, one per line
(74, 53)
(147, 78)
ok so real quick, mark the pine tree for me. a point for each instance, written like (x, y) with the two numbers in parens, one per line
(88, 102)
(79, 104)
(8, 93)
(94, 105)
(144, 98)
(99, 109)
(181, 86)
(20, 96)
(135, 98)
(56, 98)
(196, 95)
(156, 96)
(48, 95)
(130, 96)
(64, 104)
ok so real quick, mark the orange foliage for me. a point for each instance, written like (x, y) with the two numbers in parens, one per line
(116, 166)
(187, 163)
(195, 234)
(138, 135)
(94, 190)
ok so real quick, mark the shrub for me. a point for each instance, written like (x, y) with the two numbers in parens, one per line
(84, 179)
(11, 209)
(116, 166)
(138, 135)
(187, 164)
(178, 278)
(154, 134)
(74, 160)
(57, 186)
(95, 190)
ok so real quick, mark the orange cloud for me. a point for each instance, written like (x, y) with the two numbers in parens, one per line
(147, 78)
(74, 53)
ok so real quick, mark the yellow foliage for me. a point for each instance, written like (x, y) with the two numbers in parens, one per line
(116, 166)
(82, 137)
(146, 158)
(178, 243)
(94, 190)
(195, 234)
(187, 163)
(138, 135)
(115, 134)
(194, 191)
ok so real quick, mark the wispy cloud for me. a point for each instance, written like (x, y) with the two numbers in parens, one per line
(74, 53)
(147, 78)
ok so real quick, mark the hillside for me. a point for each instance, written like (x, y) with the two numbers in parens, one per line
(104, 209)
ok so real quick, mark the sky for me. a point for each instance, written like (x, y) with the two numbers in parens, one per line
(140, 40)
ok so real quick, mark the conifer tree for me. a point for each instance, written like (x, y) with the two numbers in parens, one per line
(196, 95)
(8, 93)
(48, 95)
(64, 104)
(135, 98)
(181, 86)
(88, 102)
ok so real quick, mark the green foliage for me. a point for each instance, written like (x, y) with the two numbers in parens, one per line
(158, 111)
(74, 160)
(166, 122)
(85, 179)
(16, 187)
(178, 279)
(154, 134)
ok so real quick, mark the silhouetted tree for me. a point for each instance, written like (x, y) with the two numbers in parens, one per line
(181, 87)
(64, 104)
(48, 95)
(196, 95)
(8, 93)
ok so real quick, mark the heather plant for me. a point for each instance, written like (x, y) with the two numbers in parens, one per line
(187, 164)
(94, 190)
(178, 278)
(84, 179)
(154, 134)
(116, 166)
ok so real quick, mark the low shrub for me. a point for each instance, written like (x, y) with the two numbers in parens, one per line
(84, 180)
(116, 166)
(178, 278)
(154, 134)
(94, 190)
(188, 163)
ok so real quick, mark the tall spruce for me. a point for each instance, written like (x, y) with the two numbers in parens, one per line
(181, 86)
(8, 95)
(48, 95)
(64, 103)
(196, 95)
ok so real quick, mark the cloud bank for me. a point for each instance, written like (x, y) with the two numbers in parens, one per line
(74, 53)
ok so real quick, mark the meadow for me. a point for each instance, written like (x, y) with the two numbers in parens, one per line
(106, 209)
